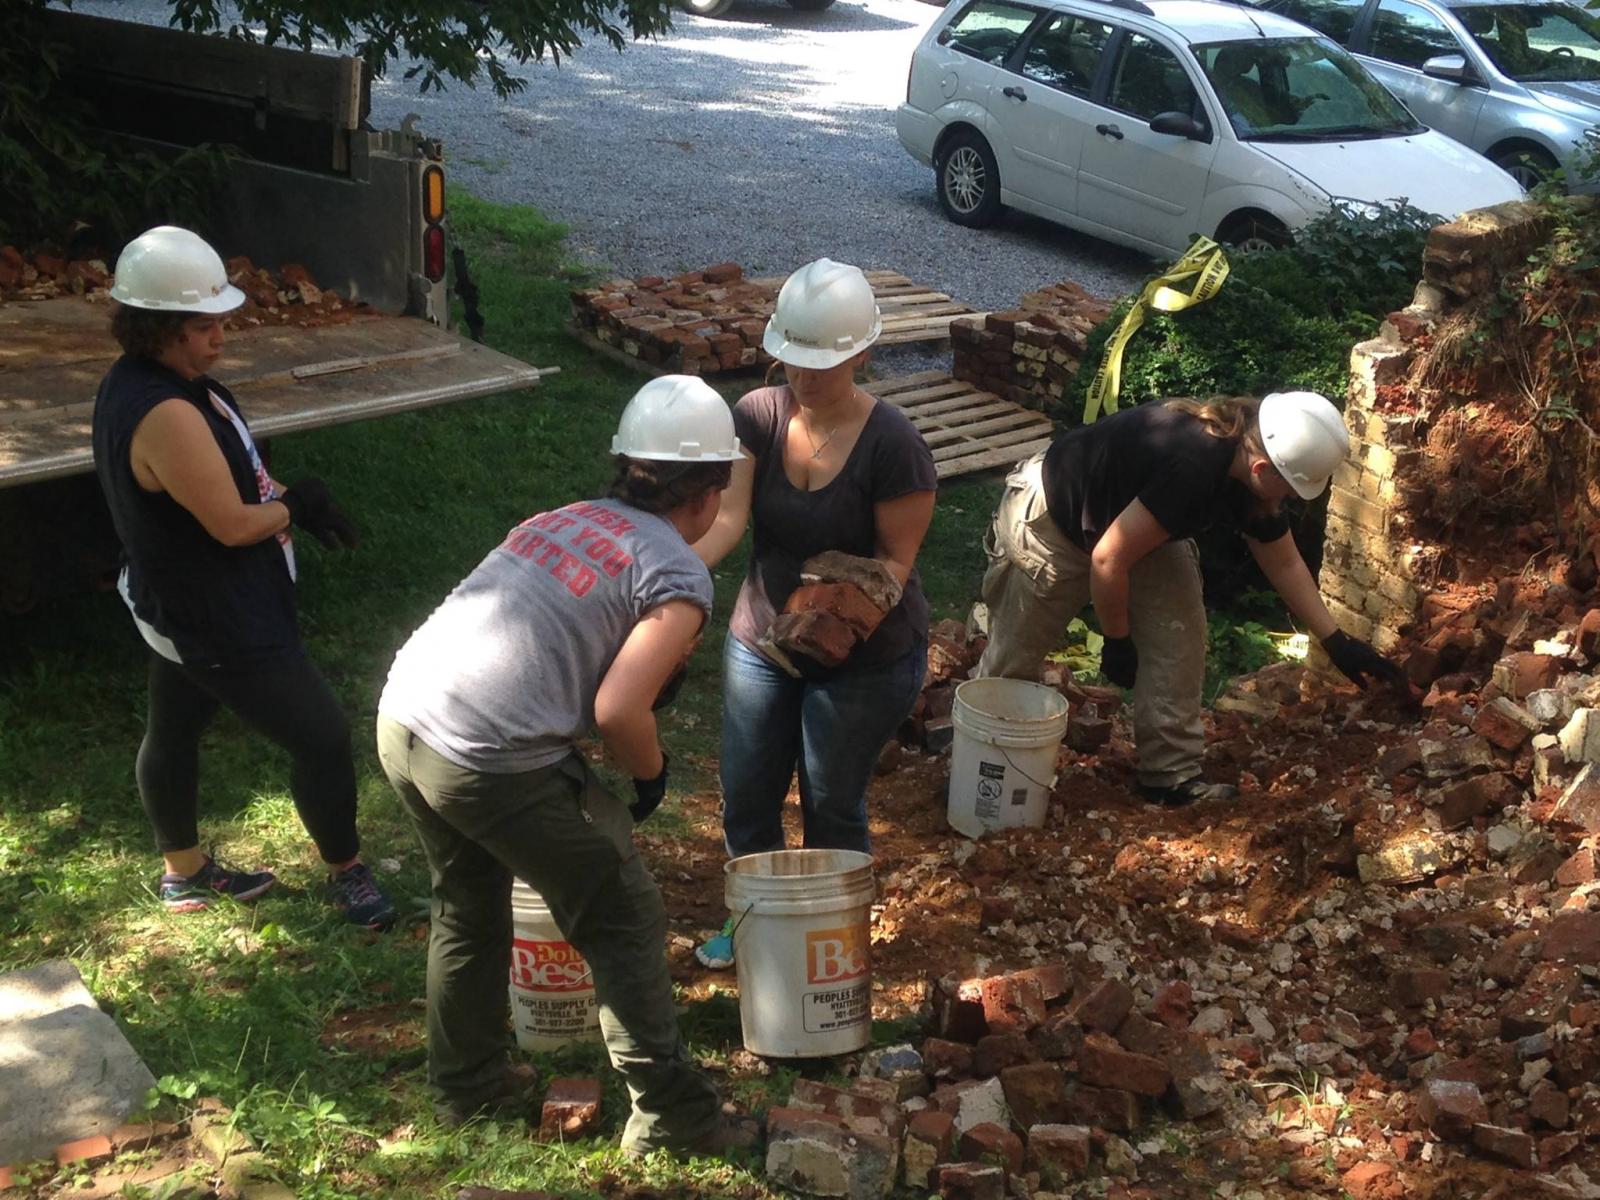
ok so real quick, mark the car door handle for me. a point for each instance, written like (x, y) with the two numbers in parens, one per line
(1015, 93)
(1110, 131)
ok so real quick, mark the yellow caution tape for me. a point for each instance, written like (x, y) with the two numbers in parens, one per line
(1206, 264)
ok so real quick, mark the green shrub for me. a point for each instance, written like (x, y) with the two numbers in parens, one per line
(1284, 319)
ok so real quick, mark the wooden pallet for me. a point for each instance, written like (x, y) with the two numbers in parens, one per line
(967, 429)
(912, 312)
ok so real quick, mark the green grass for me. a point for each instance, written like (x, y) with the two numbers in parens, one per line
(232, 1002)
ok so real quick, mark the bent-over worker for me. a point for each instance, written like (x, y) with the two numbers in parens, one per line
(1107, 515)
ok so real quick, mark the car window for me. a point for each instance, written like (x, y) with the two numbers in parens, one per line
(988, 30)
(1065, 54)
(1299, 89)
(1537, 43)
(1409, 34)
(1336, 18)
(1148, 80)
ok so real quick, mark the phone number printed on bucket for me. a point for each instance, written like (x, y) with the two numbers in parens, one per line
(841, 961)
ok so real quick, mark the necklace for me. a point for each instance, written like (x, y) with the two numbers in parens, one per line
(818, 448)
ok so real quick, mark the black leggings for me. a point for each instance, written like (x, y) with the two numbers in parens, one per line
(291, 704)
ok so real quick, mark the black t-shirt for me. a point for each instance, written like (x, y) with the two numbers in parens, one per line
(221, 606)
(1159, 456)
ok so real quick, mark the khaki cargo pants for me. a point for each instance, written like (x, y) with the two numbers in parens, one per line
(1037, 582)
(564, 835)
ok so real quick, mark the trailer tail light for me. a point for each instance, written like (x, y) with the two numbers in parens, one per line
(433, 253)
(433, 194)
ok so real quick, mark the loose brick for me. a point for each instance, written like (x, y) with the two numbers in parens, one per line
(1013, 1003)
(820, 636)
(1415, 986)
(1581, 867)
(87, 1152)
(972, 1102)
(1058, 1038)
(1572, 937)
(1505, 723)
(1580, 801)
(1473, 797)
(843, 600)
(997, 1051)
(1173, 1004)
(820, 1155)
(1451, 1108)
(1103, 1063)
(970, 1181)
(1064, 1149)
(1104, 1007)
(862, 1112)
(1549, 1105)
(571, 1110)
(1112, 1108)
(868, 574)
(944, 1059)
(992, 1144)
(930, 1140)
(1036, 1094)
(1518, 674)
(1511, 1145)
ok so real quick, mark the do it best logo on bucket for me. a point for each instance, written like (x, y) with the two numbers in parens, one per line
(547, 967)
(837, 955)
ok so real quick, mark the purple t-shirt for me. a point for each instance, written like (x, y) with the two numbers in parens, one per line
(889, 460)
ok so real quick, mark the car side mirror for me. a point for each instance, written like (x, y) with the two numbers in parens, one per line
(1177, 124)
(944, 36)
(1449, 67)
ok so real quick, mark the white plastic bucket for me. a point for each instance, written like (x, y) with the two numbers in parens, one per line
(552, 992)
(802, 942)
(1003, 760)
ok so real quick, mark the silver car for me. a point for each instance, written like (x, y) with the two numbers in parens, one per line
(1516, 80)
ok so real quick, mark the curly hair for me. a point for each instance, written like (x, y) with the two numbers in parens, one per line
(145, 332)
(656, 486)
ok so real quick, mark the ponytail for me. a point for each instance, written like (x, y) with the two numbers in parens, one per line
(1226, 417)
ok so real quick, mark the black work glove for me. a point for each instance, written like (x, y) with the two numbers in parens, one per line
(670, 689)
(1119, 661)
(312, 508)
(649, 793)
(1358, 661)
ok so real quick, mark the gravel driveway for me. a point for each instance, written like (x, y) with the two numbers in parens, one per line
(765, 137)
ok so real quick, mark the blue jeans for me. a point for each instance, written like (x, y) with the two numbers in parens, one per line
(832, 730)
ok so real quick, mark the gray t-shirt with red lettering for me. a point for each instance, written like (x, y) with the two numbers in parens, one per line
(502, 677)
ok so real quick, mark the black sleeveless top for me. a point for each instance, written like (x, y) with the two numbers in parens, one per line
(222, 606)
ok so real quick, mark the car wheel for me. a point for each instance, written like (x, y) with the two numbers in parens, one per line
(810, 5)
(1527, 165)
(706, 8)
(1252, 234)
(969, 181)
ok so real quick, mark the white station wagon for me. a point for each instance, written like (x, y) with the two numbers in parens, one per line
(1146, 123)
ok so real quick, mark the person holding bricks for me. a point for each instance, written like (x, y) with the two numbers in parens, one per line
(827, 467)
(1107, 515)
(577, 621)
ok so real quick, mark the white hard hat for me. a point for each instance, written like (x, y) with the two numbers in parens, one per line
(677, 418)
(174, 270)
(826, 314)
(1305, 438)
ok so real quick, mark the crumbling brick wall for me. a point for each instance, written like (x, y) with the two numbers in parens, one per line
(1379, 563)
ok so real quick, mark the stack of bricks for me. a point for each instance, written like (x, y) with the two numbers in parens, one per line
(697, 323)
(1030, 354)
(1376, 565)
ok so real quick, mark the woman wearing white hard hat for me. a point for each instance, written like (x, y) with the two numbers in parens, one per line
(1107, 515)
(828, 467)
(210, 576)
(575, 623)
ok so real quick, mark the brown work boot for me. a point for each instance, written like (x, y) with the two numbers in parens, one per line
(731, 1135)
(516, 1088)
(1190, 791)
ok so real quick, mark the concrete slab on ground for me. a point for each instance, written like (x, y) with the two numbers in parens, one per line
(69, 1073)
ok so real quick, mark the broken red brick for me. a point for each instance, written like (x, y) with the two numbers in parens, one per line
(1572, 937)
(1451, 1108)
(1373, 1181)
(970, 1181)
(89, 1151)
(992, 1144)
(1013, 1003)
(1505, 723)
(1104, 1007)
(571, 1110)
(1113, 1109)
(820, 636)
(1415, 986)
(1036, 1094)
(944, 1059)
(1512, 1145)
(1173, 1004)
(1103, 1063)
(997, 1051)
(1061, 1148)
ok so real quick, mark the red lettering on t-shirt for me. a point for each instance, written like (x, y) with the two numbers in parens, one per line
(580, 583)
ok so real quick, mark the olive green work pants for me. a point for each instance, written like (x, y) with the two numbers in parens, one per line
(560, 831)
(1037, 582)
